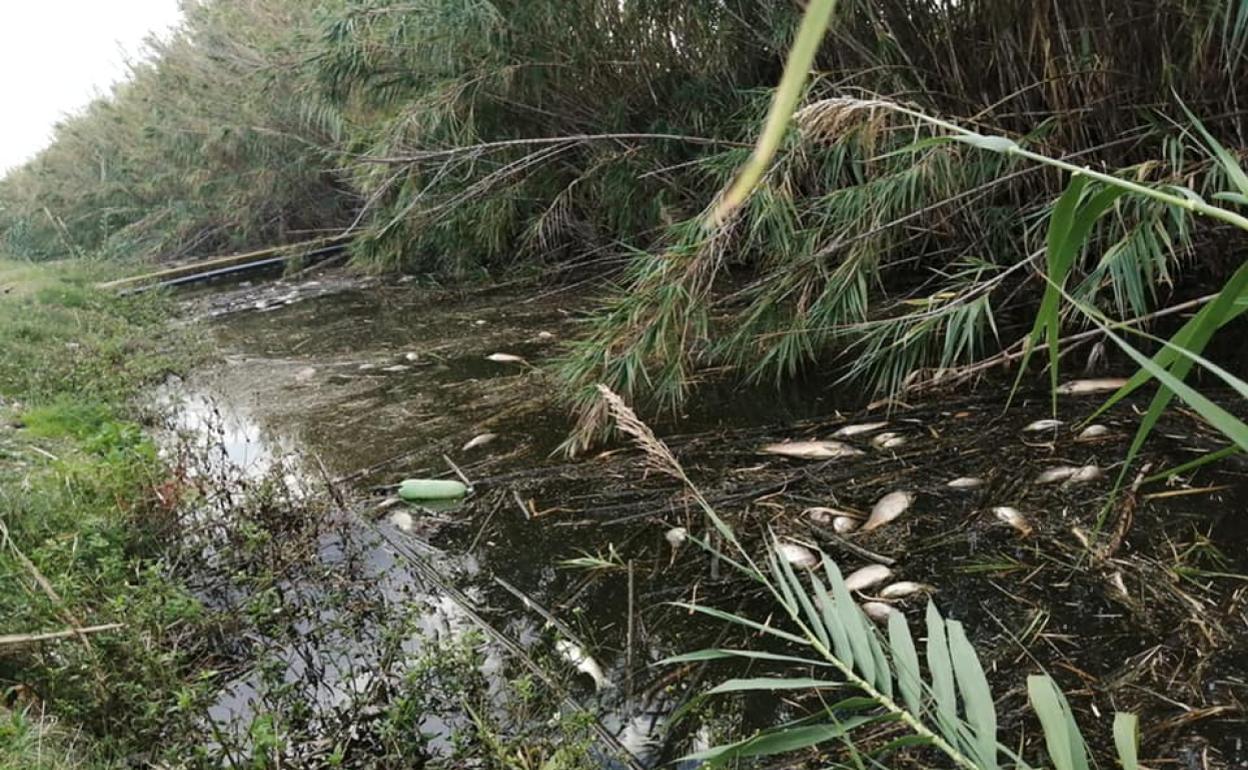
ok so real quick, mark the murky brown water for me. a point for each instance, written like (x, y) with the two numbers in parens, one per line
(377, 384)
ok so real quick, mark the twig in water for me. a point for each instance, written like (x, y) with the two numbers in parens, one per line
(853, 547)
(458, 472)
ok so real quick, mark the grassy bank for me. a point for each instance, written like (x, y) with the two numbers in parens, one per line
(81, 518)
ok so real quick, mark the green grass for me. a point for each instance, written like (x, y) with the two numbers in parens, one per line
(81, 543)
(28, 742)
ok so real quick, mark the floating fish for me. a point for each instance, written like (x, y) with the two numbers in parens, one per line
(844, 524)
(477, 441)
(1014, 518)
(403, 520)
(1092, 432)
(797, 555)
(1040, 425)
(584, 663)
(1119, 586)
(855, 430)
(888, 440)
(411, 356)
(965, 482)
(811, 450)
(1086, 473)
(823, 516)
(1056, 474)
(862, 579)
(505, 358)
(888, 507)
(676, 536)
(545, 336)
(878, 611)
(903, 590)
(1080, 387)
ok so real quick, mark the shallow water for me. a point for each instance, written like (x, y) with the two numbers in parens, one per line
(361, 388)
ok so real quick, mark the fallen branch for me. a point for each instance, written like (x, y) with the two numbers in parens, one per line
(9, 640)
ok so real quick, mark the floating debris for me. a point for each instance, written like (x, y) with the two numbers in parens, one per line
(1014, 518)
(1056, 474)
(545, 336)
(811, 450)
(505, 358)
(1081, 387)
(584, 663)
(842, 525)
(797, 555)
(903, 590)
(403, 520)
(477, 441)
(1040, 425)
(878, 611)
(888, 507)
(862, 579)
(888, 441)
(965, 482)
(305, 374)
(676, 536)
(396, 368)
(410, 356)
(431, 489)
(855, 430)
(1092, 432)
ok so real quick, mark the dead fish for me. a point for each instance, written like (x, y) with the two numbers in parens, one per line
(1085, 474)
(584, 663)
(903, 590)
(505, 358)
(887, 508)
(811, 450)
(477, 441)
(545, 336)
(965, 482)
(403, 520)
(797, 555)
(878, 611)
(411, 356)
(823, 516)
(855, 430)
(1119, 586)
(1014, 518)
(819, 515)
(1079, 387)
(888, 440)
(1056, 474)
(676, 536)
(862, 579)
(844, 524)
(1040, 425)
(1092, 432)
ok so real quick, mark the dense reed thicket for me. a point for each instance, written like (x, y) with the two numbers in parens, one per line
(461, 135)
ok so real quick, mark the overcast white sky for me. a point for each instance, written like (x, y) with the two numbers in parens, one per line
(55, 55)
